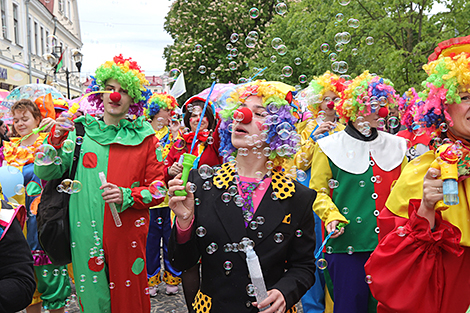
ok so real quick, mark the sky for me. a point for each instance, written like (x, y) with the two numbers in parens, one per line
(133, 28)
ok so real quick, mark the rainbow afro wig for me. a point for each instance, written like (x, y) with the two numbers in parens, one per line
(279, 127)
(449, 74)
(157, 102)
(129, 75)
(366, 94)
(319, 86)
(409, 105)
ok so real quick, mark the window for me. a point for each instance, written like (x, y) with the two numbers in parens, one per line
(69, 5)
(61, 6)
(42, 40)
(3, 13)
(47, 41)
(16, 24)
(36, 38)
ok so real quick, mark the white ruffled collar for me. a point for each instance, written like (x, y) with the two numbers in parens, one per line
(352, 155)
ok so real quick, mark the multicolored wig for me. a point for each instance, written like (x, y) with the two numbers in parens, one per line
(277, 99)
(449, 74)
(364, 95)
(129, 75)
(319, 86)
(409, 105)
(157, 102)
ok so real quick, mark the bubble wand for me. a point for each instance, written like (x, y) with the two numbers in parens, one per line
(112, 206)
(338, 227)
(188, 158)
(261, 71)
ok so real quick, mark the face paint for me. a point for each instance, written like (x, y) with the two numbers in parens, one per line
(260, 125)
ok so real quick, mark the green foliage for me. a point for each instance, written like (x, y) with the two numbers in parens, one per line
(404, 35)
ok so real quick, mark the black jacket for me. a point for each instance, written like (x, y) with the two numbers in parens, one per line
(17, 283)
(288, 265)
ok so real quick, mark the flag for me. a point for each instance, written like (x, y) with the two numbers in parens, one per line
(179, 87)
(60, 62)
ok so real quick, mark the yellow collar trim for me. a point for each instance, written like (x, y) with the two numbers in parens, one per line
(283, 186)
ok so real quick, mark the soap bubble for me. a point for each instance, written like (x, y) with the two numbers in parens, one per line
(174, 73)
(287, 71)
(198, 48)
(68, 146)
(232, 65)
(250, 42)
(368, 279)
(332, 56)
(228, 265)
(354, 51)
(344, 2)
(251, 290)
(158, 189)
(273, 59)
(202, 69)
(19, 189)
(201, 231)
(278, 237)
(45, 155)
(322, 264)
(57, 160)
(302, 79)
(353, 23)
(282, 50)
(369, 41)
(332, 183)
(281, 8)
(254, 13)
(253, 34)
(276, 42)
(339, 17)
(234, 37)
(325, 47)
(297, 61)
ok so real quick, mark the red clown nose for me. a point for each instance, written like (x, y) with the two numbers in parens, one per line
(115, 96)
(243, 115)
(383, 112)
(330, 105)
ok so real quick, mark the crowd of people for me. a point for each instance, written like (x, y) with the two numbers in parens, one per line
(353, 196)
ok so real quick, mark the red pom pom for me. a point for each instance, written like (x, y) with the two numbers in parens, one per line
(331, 105)
(244, 113)
(383, 112)
(115, 97)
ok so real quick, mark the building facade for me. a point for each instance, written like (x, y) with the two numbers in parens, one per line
(30, 30)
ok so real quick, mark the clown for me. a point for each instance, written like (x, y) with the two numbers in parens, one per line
(159, 111)
(416, 137)
(247, 201)
(321, 96)
(353, 171)
(431, 242)
(108, 258)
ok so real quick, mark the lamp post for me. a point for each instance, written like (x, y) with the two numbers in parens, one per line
(77, 57)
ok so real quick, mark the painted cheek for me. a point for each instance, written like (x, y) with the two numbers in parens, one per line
(260, 125)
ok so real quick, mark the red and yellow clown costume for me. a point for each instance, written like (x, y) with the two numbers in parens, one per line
(109, 260)
(417, 268)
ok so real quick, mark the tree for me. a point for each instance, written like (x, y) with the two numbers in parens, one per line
(205, 34)
(403, 33)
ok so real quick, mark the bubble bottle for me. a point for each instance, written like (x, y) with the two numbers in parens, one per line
(446, 160)
(256, 275)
